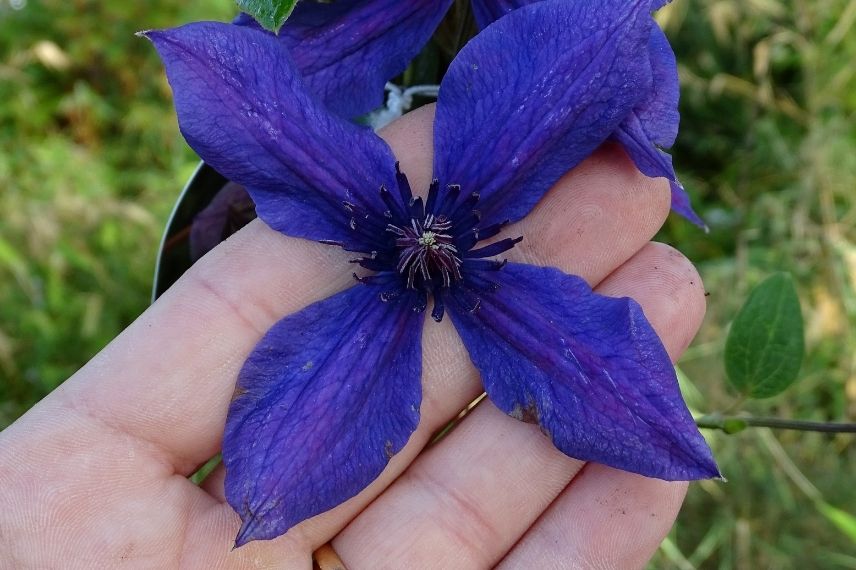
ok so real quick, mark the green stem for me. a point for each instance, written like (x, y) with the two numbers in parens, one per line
(733, 424)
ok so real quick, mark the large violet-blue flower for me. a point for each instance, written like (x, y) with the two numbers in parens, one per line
(332, 392)
(384, 35)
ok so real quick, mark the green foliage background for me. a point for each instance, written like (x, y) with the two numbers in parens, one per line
(91, 162)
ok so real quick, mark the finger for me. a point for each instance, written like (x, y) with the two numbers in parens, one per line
(466, 501)
(605, 519)
(605, 197)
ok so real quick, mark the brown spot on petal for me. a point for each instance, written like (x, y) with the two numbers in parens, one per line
(388, 450)
(238, 393)
(528, 413)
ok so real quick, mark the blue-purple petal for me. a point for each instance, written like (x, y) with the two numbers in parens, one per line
(230, 210)
(488, 11)
(658, 113)
(324, 401)
(349, 49)
(653, 162)
(588, 369)
(534, 94)
(244, 109)
(653, 124)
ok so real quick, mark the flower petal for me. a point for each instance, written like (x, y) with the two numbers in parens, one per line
(326, 398)
(653, 125)
(657, 116)
(588, 369)
(242, 106)
(349, 49)
(658, 113)
(534, 94)
(230, 210)
(488, 11)
(655, 163)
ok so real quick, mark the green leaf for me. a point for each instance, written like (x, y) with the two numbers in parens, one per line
(271, 14)
(765, 346)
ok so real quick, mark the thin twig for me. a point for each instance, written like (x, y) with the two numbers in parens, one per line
(733, 424)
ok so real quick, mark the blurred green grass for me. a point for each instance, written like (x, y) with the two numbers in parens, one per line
(91, 162)
(768, 148)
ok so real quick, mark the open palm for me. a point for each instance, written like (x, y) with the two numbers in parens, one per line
(95, 476)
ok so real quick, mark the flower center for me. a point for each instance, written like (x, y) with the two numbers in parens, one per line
(417, 248)
(429, 239)
(426, 251)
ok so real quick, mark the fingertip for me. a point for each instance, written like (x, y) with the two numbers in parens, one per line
(603, 200)
(668, 287)
(606, 518)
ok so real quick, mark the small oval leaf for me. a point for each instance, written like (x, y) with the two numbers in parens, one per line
(765, 345)
(271, 14)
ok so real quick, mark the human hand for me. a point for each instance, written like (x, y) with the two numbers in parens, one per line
(95, 475)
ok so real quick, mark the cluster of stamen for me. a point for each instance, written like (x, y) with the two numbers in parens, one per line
(417, 249)
(427, 249)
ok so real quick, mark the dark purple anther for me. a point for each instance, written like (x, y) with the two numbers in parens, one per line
(427, 247)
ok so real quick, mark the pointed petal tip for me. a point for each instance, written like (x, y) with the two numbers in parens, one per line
(712, 472)
(246, 534)
(711, 469)
(155, 36)
(689, 214)
(705, 467)
(693, 218)
(704, 470)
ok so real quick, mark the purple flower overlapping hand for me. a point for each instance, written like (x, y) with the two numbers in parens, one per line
(332, 392)
(348, 50)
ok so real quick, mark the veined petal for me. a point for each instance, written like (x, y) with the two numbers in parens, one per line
(244, 109)
(488, 11)
(230, 210)
(588, 369)
(653, 124)
(655, 163)
(658, 113)
(534, 94)
(326, 398)
(349, 49)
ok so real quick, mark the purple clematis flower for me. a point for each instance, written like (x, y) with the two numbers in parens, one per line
(332, 392)
(357, 64)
